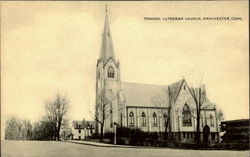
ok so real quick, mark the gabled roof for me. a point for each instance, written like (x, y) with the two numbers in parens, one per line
(174, 89)
(207, 104)
(147, 95)
(134, 94)
(83, 124)
(107, 50)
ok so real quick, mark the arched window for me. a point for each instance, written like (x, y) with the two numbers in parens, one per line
(131, 119)
(211, 119)
(111, 73)
(186, 116)
(154, 119)
(143, 117)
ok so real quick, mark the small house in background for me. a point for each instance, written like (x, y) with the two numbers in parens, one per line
(82, 129)
(66, 134)
(235, 133)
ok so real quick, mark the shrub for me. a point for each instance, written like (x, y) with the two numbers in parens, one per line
(121, 141)
(94, 136)
(109, 135)
(123, 132)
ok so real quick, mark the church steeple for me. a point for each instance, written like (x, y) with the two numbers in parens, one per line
(107, 50)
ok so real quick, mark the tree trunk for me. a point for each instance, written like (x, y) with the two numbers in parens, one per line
(58, 135)
(102, 127)
(170, 132)
(165, 132)
(198, 138)
(169, 125)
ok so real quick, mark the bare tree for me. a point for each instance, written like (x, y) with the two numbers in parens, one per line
(13, 128)
(56, 109)
(199, 95)
(104, 108)
(43, 130)
(161, 103)
(26, 130)
(220, 115)
(18, 129)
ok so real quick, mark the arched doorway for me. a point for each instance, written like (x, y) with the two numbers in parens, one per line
(206, 132)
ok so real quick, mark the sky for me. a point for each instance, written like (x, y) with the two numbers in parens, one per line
(53, 47)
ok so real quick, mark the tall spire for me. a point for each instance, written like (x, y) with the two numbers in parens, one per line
(107, 50)
(106, 7)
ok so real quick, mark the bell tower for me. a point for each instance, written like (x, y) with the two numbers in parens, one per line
(107, 81)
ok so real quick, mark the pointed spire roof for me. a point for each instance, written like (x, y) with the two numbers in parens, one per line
(107, 50)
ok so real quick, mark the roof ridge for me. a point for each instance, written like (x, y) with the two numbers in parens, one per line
(177, 82)
(144, 84)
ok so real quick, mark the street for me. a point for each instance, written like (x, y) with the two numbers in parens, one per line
(64, 149)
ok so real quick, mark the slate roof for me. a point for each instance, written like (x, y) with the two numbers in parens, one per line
(135, 94)
(83, 124)
(207, 104)
(148, 95)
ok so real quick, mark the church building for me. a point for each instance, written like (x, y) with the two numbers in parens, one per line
(146, 106)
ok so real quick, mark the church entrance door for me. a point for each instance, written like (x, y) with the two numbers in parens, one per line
(206, 132)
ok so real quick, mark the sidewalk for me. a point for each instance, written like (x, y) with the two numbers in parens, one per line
(98, 144)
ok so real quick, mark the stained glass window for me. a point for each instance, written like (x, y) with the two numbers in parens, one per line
(154, 119)
(111, 72)
(131, 119)
(143, 117)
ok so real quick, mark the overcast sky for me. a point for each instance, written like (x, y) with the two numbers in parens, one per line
(50, 47)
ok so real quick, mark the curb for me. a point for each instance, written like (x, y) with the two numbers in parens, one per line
(137, 147)
(97, 145)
